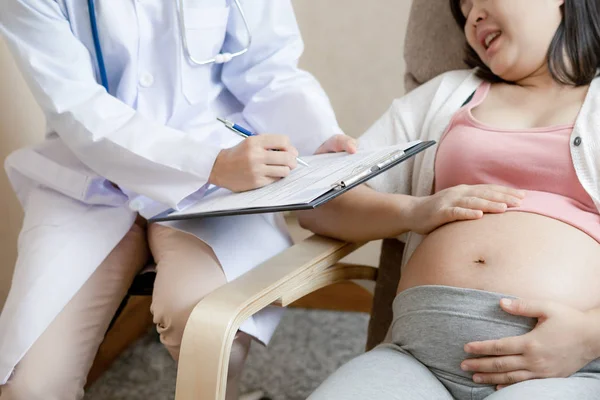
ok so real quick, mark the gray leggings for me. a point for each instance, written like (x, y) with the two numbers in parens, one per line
(431, 326)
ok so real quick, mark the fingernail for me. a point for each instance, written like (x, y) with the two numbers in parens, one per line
(464, 367)
(476, 379)
(506, 302)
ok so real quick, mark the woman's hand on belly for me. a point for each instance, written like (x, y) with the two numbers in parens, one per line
(563, 341)
(463, 202)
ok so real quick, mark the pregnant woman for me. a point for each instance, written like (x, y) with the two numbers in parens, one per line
(500, 289)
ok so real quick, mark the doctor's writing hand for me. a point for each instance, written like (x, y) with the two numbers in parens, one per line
(459, 203)
(337, 144)
(560, 344)
(252, 163)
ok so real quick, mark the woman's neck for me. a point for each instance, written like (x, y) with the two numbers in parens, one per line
(542, 80)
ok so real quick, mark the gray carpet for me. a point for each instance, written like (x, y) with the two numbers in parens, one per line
(306, 348)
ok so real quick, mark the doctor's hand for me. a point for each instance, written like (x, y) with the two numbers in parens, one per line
(252, 163)
(460, 203)
(337, 144)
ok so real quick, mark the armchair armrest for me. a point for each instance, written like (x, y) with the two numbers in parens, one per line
(212, 325)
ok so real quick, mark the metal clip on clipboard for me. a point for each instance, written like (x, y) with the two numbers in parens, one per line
(381, 163)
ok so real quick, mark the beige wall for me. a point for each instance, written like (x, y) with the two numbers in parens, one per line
(352, 46)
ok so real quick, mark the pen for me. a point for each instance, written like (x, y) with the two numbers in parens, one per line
(243, 132)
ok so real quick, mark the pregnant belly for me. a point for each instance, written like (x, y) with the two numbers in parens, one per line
(515, 253)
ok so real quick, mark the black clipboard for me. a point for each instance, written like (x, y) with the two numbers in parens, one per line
(339, 189)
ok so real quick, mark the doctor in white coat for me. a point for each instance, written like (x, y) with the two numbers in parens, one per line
(132, 131)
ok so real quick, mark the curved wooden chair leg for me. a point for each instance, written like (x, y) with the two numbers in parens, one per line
(209, 333)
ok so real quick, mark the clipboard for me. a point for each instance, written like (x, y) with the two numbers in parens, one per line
(338, 188)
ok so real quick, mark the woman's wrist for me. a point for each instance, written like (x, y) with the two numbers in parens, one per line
(407, 213)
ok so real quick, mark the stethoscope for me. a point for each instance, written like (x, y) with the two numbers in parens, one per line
(217, 59)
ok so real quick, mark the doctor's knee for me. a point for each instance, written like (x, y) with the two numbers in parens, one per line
(170, 324)
(187, 271)
(171, 310)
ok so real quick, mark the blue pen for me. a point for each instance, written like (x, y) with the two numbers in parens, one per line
(243, 132)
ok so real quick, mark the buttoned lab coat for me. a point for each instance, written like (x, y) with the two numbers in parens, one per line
(155, 135)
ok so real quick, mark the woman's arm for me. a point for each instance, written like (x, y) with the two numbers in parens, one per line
(362, 214)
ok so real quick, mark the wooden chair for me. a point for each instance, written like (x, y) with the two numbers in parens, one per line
(434, 44)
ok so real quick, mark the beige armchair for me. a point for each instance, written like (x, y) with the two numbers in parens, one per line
(433, 45)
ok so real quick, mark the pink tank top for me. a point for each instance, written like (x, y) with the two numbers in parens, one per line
(537, 160)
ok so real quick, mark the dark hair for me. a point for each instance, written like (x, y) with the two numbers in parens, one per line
(577, 37)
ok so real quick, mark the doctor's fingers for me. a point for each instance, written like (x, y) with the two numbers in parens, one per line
(341, 143)
(276, 142)
(280, 158)
(275, 171)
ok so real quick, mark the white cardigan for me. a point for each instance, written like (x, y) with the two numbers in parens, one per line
(425, 113)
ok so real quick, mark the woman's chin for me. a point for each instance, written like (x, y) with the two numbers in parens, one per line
(502, 71)
(508, 70)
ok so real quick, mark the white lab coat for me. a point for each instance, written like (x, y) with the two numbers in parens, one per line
(154, 135)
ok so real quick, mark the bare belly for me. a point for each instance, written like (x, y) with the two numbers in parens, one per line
(515, 253)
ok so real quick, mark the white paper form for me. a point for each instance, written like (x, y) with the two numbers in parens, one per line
(302, 186)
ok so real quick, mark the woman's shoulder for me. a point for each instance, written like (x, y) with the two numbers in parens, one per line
(451, 86)
(457, 75)
(595, 84)
(592, 99)
(453, 80)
